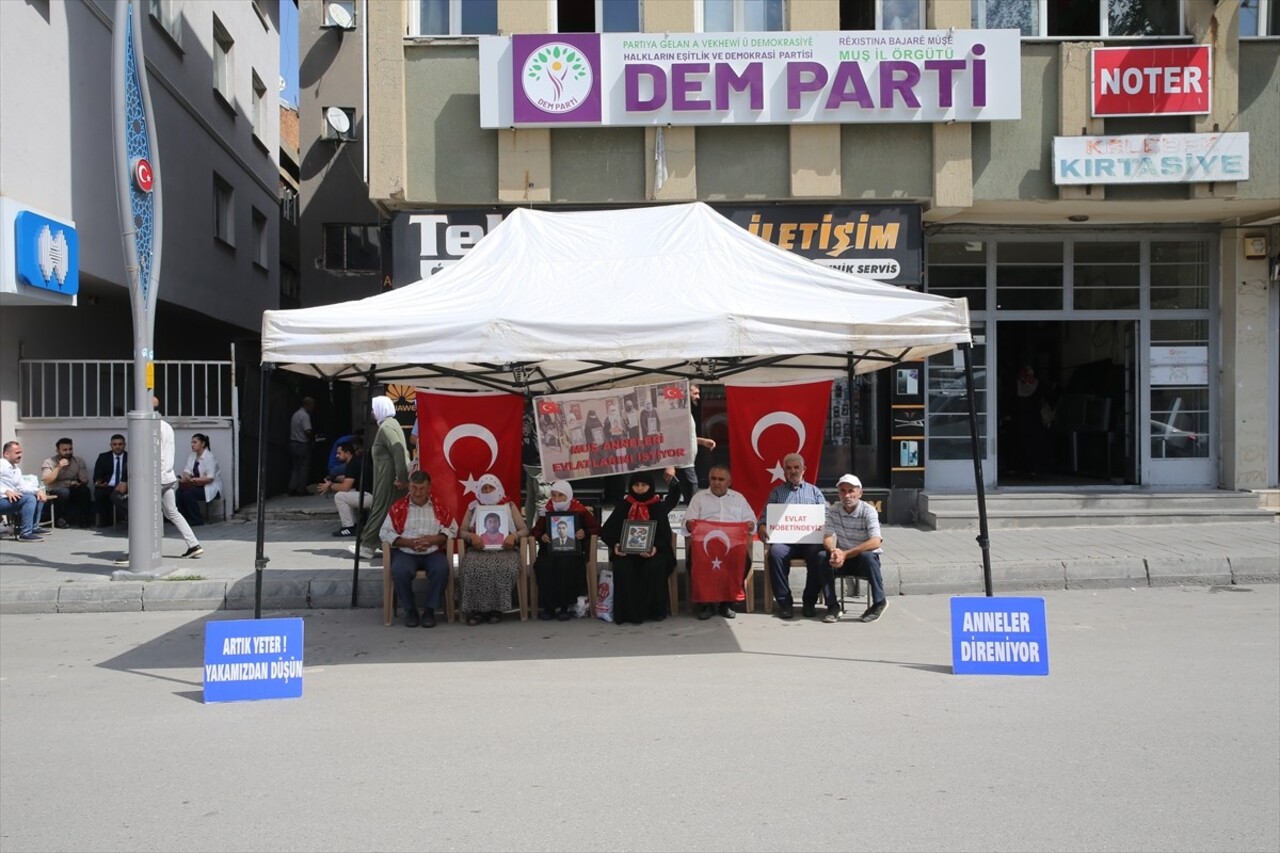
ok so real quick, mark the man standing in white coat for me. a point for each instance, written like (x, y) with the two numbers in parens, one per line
(169, 488)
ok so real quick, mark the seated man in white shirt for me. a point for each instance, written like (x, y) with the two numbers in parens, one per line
(718, 502)
(417, 528)
(18, 499)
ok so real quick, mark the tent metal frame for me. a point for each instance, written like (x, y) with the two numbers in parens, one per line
(523, 377)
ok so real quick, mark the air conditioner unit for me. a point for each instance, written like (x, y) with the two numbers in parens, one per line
(340, 124)
(339, 14)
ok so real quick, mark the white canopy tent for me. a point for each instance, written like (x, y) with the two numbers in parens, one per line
(554, 302)
(599, 298)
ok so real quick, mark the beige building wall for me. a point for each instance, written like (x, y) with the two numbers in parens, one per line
(524, 154)
(679, 143)
(1247, 365)
(386, 144)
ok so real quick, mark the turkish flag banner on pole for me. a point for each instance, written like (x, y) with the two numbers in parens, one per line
(717, 553)
(462, 436)
(766, 422)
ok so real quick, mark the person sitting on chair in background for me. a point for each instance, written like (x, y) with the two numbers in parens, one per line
(417, 528)
(198, 484)
(111, 481)
(347, 495)
(719, 503)
(15, 498)
(792, 490)
(851, 536)
(67, 477)
(561, 565)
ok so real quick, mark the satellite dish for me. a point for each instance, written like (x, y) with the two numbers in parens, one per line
(341, 15)
(338, 120)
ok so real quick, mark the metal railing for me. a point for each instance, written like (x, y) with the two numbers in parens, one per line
(66, 388)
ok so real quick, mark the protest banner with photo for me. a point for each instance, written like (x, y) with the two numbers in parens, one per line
(766, 422)
(717, 560)
(617, 431)
(463, 436)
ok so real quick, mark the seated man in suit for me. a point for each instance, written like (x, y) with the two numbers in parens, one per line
(111, 481)
(65, 475)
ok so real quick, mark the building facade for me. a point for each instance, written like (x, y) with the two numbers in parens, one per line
(212, 70)
(1124, 304)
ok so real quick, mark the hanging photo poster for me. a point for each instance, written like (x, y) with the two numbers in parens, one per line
(615, 431)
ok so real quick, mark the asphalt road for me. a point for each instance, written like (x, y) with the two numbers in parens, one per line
(1157, 729)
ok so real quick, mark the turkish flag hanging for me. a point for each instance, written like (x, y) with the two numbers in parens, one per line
(717, 553)
(462, 436)
(766, 422)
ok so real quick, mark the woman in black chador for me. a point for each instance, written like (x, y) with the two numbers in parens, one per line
(640, 580)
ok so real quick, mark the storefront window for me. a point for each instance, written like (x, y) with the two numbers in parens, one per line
(1179, 376)
(1080, 18)
(1180, 274)
(1029, 276)
(1106, 275)
(947, 404)
(959, 270)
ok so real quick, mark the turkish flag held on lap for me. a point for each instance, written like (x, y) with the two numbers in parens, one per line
(462, 436)
(717, 552)
(766, 422)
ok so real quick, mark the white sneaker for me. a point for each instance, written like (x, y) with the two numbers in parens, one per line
(365, 553)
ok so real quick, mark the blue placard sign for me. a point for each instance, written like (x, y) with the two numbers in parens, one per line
(252, 659)
(999, 636)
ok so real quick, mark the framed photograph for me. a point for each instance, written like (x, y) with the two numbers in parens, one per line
(492, 525)
(637, 536)
(561, 529)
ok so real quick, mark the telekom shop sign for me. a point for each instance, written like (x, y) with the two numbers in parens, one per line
(828, 77)
(1143, 81)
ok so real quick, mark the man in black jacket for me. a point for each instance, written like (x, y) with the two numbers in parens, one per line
(111, 481)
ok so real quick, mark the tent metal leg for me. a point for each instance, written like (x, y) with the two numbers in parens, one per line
(984, 540)
(260, 560)
(361, 520)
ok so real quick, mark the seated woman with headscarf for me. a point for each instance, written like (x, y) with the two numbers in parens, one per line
(640, 580)
(486, 577)
(562, 573)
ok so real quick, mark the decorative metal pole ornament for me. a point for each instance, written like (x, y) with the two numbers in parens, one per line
(138, 194)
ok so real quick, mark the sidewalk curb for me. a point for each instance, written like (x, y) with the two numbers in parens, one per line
(329, 594)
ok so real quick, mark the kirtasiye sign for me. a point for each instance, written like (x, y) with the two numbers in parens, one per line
(824, 77)
(1160, 158)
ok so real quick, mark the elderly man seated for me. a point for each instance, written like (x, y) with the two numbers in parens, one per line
(417, 529)
(851, 537)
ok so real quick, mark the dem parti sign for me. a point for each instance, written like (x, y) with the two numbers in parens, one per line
(823, 77)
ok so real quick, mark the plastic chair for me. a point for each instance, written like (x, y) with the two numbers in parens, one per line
(592, 573)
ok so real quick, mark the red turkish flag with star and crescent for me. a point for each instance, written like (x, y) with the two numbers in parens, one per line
(766, 422)
(717, 553)
(462, 436)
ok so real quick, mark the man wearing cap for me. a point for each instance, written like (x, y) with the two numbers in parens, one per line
(851, 536)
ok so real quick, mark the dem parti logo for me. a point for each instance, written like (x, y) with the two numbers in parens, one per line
(557, 78)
